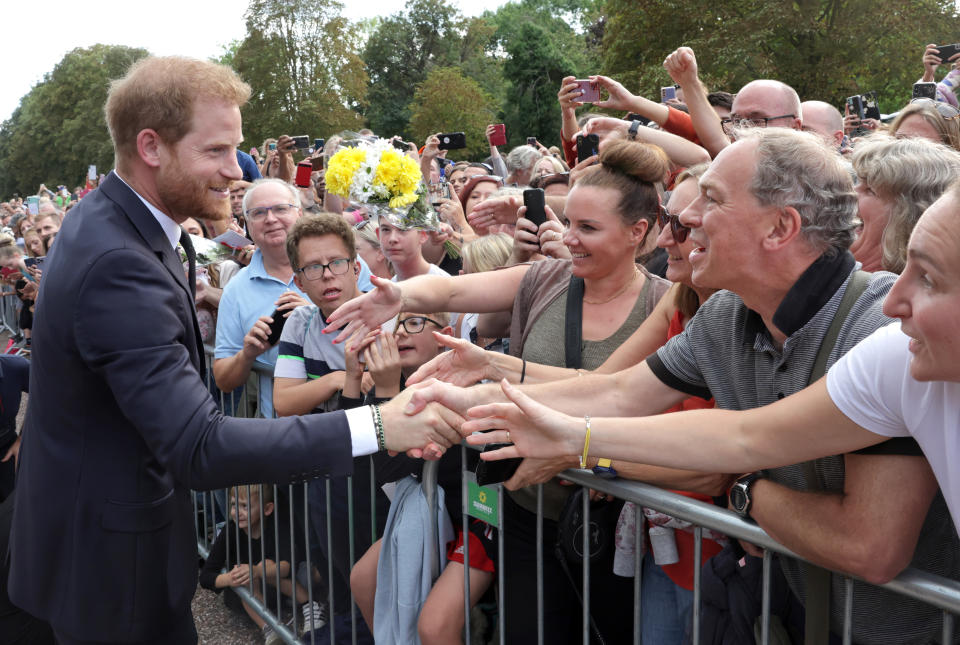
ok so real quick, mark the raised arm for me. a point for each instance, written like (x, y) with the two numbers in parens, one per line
(804, 426)
(681, 151)
(682, 67)
(476, 293)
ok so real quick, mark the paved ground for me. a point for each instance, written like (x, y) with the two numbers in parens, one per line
(217, 625)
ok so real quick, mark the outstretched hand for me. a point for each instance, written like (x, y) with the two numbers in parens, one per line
(534, 429)
(464, 365)
(366, 312)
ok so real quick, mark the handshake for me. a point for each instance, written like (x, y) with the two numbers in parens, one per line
(427, 418)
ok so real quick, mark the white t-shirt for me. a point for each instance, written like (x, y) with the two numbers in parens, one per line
(872, 386)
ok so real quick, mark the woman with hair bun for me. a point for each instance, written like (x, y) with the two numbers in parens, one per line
(611, 210)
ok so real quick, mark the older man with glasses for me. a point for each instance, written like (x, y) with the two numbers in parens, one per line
(271, 207)
(760, 103)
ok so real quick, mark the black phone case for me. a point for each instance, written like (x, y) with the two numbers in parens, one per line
(494, 472)
(453, 141)
(533, 199)
(276, 327)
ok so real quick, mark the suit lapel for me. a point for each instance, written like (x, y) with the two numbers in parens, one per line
(147, 226)
(153, 235)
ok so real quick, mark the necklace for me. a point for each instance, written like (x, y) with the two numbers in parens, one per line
(636, 274)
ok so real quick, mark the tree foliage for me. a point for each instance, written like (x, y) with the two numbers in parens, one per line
(535, 67)
(59, 128)
(301, 59)
(825, 49)
(446, 101)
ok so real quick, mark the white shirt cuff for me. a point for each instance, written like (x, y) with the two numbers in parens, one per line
(363, 433)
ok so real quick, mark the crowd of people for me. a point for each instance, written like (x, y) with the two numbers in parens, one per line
(779, 273)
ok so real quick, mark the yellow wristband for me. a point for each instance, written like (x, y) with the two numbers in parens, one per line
(604, 463)
(586, 443)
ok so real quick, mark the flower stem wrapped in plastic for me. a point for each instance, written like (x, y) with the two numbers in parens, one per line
(374, 174)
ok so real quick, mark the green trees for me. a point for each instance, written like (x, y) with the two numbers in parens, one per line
(826, 50)
(301, 60)
(59, 128)
(448, 102)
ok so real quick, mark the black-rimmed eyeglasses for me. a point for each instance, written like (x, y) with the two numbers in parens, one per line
(315, 271)
(415, 324)
(757, 121)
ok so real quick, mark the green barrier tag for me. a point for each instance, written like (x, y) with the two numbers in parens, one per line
(483, 502)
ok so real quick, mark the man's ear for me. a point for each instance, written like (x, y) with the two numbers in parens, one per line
(267, 508)
(297, 281)
(149, 147)
(356, 269)
(786, 227)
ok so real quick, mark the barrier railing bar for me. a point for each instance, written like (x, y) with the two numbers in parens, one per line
(309, 581)
(351, 556)
(428, 483)
(947, 628)
(848, 611)
(263, 550)
(276, 541)
(697, 557)
(540, 608)
(585, 614)
(501, 577)
(464, 510)
(932, 589)
(765, 611)
(637, 572)
(249, 539)
(330, 610)
(293, 552)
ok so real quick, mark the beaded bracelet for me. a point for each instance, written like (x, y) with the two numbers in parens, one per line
(378, 422)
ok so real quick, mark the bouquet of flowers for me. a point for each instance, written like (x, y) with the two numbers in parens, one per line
(374, 174)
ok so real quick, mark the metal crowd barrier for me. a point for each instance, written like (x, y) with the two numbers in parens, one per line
(937, 591)
(9, 311)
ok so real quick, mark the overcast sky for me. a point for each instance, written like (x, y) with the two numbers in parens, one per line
(36, 39)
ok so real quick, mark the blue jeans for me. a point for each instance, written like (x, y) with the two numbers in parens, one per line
(666, 608)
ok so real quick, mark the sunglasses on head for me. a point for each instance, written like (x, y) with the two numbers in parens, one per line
(946, 110)
(678, 230)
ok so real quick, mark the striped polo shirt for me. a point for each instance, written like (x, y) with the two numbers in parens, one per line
(307, 353)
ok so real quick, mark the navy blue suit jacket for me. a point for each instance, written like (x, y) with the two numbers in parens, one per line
(121, 426)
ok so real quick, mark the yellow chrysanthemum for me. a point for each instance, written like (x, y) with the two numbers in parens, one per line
(341, 168)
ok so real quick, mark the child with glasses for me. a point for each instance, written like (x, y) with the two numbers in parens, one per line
(435, 615)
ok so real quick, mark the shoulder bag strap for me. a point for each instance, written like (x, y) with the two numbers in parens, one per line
(817, 579)
(573, 330)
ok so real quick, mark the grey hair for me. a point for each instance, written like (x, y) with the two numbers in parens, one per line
(909, 173)
(294, 195)
(522, 158)
(796, 169)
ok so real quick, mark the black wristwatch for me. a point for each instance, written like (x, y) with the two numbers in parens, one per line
(740, 499)
(633, 129)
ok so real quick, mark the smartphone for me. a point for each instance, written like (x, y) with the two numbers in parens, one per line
(587, 146)
(533, 199)
(532, 141)
(924, 91)
(301, 141)
(318, 144)
(317, 162)
(34, 262)
(438, 191)
(276, 327)
(668, 93)
(453, 141)
(589, 91)
(401, 145)
(946, 51)
(871, 109)
(302, 180)
(494, 472)
(272, 146)
(855, 106)
(499, 136)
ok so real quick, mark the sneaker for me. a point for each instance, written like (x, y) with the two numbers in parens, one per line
(317, 612)
(270, 637)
